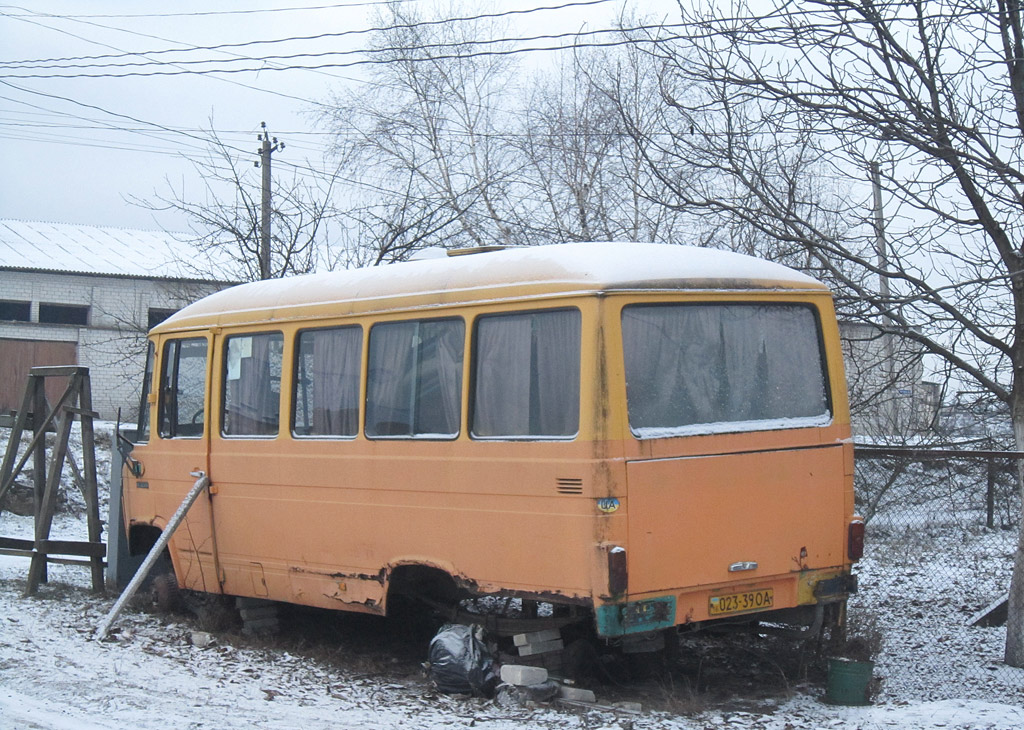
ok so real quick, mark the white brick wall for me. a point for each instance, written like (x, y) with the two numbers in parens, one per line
(113, 345)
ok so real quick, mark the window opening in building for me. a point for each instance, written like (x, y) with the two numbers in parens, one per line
(64, 314)
(16, 311)
(156, 316)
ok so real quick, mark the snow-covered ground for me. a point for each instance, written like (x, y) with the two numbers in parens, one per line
(937, 673)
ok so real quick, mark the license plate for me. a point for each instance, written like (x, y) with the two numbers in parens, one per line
(758, 600)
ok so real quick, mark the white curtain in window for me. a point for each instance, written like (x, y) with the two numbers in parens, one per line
(527, 375)
(334, 379)
(557, 343)
(442, 346)
(502, 391)
(390, 378)
(706, 364)
(415, 381)
(252, 402)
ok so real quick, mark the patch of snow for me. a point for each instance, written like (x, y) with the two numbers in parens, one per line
(702, 429)
(937, 671)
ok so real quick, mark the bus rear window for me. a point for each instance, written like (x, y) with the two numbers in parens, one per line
(707, 368)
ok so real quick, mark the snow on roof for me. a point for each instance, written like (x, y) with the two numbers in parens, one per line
(567, 267)
(71, 248)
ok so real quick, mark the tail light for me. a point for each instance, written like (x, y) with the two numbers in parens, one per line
(855, 544)
(618, 580)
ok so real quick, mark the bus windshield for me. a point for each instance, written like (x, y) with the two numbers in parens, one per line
(711, 368)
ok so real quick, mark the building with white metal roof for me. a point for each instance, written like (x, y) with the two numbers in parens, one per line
(70, 248)
(86, 295)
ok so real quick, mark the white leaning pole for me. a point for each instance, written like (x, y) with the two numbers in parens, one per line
(154, 552)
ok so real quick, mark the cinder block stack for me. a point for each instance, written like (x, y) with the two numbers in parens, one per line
(538, 642)
(259, 616)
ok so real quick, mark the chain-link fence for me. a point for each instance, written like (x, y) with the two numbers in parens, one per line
(942, 530)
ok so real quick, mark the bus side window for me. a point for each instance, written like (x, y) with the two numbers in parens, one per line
(526, 375)
(183, 388)
(326, 401)
(252, 385)
(414, 385)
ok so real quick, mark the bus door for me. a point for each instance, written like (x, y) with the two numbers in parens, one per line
(178, 452)
(254, 496)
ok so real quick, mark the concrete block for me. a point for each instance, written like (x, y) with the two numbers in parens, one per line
(523, 676)
(575, 694)
(262, 624)
(508, 695)
(628, 706)
(261, 627)
(201, 639)
(258, 613)
(536, 637)
(541, 648)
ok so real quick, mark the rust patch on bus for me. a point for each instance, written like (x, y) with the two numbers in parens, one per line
(353, 591)
(376, 578)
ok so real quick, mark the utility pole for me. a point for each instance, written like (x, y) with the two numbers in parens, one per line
(880, 244)
(267, 147)
(890, 406)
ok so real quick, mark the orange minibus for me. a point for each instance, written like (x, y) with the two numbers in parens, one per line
(637, 437)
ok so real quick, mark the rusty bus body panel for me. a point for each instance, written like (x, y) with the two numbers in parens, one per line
(334, 521)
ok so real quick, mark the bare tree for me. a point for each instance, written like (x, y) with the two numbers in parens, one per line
(393, 226)
(428, 129)
(934, 93)
(224, 226)
(583, 177)
(567, 140)
(454, 147)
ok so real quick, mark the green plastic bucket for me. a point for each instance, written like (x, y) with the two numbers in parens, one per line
(848, 682)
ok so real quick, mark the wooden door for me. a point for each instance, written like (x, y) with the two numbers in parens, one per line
(17, 357)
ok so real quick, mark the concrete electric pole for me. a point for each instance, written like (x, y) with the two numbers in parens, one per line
(890, 407)
(267, 147)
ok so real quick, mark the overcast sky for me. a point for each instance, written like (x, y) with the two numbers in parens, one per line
(76, 149)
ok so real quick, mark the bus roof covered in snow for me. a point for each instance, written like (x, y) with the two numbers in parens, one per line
(520, 273)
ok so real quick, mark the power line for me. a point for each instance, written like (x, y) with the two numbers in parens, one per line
(304, 170)
(146, 130)
(322, 36)
(107, 111)
(82, 142)
(204, 13)
(224, 80)
(363, 62)
(383, 50)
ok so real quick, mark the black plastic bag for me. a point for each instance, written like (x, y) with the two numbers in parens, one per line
(460, 663)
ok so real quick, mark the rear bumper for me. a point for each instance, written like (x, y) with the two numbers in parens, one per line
(654, 612)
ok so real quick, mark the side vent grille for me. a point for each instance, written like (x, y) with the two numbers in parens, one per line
(569, 486)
